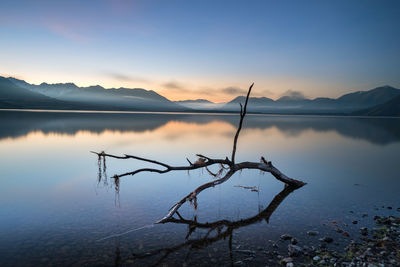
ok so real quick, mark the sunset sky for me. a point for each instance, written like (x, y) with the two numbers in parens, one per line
(204, 49)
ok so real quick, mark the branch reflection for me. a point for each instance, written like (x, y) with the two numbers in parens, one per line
(214, 231)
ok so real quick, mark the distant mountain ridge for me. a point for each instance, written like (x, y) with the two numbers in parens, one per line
(13, 96)
(344, 104)
(97, 97)
(389, 108)
(15, 93)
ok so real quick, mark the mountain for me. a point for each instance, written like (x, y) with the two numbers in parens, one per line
(97, 97)
(15, 93)
(199, 104)
(372, 97)
(195, 101)
(13, 96)
(389, 108)
(345, 104)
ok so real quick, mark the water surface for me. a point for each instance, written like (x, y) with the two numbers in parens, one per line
(54, 211)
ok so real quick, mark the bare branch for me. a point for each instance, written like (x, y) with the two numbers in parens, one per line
(242, 114)
(202, 162)
(194, 193)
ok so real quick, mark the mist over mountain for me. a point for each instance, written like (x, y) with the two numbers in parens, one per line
(13, 96)
(199, 104)
(15, 93)
(97, 97)
(345, 104)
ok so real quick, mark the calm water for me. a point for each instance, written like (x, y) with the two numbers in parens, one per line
(54, 212)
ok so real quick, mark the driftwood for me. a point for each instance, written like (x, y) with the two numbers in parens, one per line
(228, 167)
(212, 232)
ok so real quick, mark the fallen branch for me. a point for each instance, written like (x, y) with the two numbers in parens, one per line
(226, 165)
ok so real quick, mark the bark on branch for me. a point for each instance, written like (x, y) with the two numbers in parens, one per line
(228, 167)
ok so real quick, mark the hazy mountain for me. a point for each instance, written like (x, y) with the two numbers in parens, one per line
(199, 104)
(16, 93)
(13, 96)
(372, 97)
(198, 101)
(97, 97)
(343, 105)
(389, 108)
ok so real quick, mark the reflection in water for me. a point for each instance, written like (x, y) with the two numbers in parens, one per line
(53, 210)
(19, 123)
(208, 233)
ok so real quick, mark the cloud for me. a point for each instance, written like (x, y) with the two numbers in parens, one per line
(125, 78)
(233, 91)
(294, 94)
(175, 86)
(265, 92)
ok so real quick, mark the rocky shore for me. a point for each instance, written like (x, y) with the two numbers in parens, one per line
(377, 247)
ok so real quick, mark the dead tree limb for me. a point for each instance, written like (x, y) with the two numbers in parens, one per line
(228, 167)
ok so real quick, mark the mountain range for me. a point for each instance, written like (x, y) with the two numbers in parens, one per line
(18, 94)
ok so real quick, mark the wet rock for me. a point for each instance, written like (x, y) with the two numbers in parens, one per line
(246, 251)
(355, 222)
(274, 245)
(316, 258)
(364, 231)
(326, 239)
(239, 263)
(323, 262)
(364, 215)
(287, 260)
(293, 241)
(389, 208)
(312, 233)
(290, 264)
(294, 250)
(286, 237)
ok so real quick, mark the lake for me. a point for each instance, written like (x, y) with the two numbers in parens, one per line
(55, 211)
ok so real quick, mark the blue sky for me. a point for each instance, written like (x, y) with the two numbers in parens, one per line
(204, 49)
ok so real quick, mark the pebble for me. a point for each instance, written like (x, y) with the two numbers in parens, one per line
(316, 258)
(287, 260)
(313, 233)
(294, 250)
(286, 237)
(364, 231)
(326, 239)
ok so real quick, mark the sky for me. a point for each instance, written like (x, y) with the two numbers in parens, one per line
(204, 48)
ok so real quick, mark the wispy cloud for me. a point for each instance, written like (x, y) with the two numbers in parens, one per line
(68, 32)
(294, 94)
(125, 77)
(233, 90)
(175, 86)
